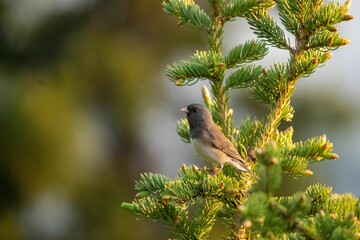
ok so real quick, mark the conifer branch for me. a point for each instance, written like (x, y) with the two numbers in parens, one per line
(303, 60)
(250, 209)
(218, 71)
(266, 28)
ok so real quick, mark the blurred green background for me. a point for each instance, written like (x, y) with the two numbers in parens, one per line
(85, 108)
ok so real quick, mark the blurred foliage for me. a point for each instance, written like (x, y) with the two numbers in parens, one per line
(73, 85)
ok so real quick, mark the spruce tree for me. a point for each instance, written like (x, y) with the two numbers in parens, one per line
(248, 208)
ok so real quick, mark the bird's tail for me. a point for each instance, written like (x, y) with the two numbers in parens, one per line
(241, 166)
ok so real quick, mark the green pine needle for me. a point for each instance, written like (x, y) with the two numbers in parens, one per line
(241, 8)
(243, 77)
(266, 28)
(325, 16)
(245, 53)
(266, 89)
(293, 14)
(187, 12)
(183, 130)
(151, 182)
(188, 72)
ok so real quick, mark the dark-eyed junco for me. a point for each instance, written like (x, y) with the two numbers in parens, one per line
(209, 142)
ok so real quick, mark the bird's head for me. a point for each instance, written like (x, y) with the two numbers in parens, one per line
(197, 114)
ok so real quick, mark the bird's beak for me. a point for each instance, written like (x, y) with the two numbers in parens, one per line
(184, 110)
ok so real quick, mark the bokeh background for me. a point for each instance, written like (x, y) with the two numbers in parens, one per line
(85, 108)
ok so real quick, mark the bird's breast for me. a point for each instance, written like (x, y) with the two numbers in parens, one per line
(208, 152)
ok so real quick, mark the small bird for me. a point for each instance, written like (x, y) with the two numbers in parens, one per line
(209, 142)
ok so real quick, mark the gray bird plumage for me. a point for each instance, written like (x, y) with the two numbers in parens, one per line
(209, 142)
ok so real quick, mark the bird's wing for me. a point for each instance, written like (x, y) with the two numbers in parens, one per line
(219, 141)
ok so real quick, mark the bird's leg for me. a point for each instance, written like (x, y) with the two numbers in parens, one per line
(217, 171)
(212, 169)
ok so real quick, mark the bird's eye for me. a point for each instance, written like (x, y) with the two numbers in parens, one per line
(194, 110)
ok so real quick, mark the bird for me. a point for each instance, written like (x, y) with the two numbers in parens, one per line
(209, 142)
